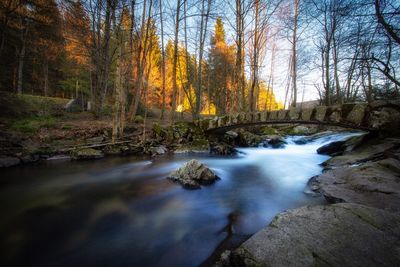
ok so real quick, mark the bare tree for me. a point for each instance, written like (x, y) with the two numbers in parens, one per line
(205, 13)
(162, 60)
(294, 50)
(175, 60)
(391, 30)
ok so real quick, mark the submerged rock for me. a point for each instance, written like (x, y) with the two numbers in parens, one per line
(311, 138)
(275, 141)
(86, 153)
(248, 139)
(334, 235)
(193, 174)
(222, 149)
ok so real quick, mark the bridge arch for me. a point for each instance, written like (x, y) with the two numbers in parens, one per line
(375, 116)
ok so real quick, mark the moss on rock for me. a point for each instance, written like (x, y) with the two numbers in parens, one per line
(86, 153)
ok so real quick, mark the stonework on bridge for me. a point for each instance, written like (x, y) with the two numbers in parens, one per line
(378, 115)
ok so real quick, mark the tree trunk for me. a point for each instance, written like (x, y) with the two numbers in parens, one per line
(239, 57)
(271, 77)
(252, 100)
(162, 62)
(175, 61)
(327, 78)
(203, 33)
(141, 60)
(116, 129)
(336, 71)
(46, 77)
(294, 52)
(21, 59)
(370, 96)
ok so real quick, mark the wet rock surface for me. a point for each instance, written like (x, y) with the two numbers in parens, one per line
(222, 149)
(368, 175)
(274, 141)
(375, 184)
(158, 150)
(343, 234)
(360, 226)
(86, 153)
(248, 139)
(193, 174)
(332, 148)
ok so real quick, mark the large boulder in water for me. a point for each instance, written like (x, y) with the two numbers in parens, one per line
(328, 235)
(339, 147)
(275, 141)
(332, 149)
(248, 139)
(193, 174)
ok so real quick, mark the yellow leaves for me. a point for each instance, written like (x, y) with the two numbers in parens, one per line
(125, 19)
(209, 109)
(266, 99)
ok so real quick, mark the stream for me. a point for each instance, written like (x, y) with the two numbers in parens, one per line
(121, 211)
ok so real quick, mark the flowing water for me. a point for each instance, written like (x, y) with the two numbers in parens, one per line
(121, 211)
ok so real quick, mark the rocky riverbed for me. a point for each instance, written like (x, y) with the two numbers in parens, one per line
(359, 227)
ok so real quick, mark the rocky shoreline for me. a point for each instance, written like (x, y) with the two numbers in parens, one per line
(181, 137)
(360, 225)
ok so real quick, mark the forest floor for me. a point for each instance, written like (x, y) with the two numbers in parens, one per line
(45, 118)
(34, 125)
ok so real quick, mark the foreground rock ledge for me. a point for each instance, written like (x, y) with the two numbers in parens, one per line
(333, 235)
(193, 174)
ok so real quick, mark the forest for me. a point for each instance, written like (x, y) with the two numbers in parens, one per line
(199, 133)
(199, 57)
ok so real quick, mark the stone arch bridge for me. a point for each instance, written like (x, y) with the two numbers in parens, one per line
(376, 116)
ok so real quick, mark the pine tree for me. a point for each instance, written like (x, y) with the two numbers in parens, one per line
(221, 67)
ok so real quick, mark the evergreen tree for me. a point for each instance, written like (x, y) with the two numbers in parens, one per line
(221, 67)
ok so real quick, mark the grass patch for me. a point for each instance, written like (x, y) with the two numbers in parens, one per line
(67, 127)
(43, 106)
(33, 124)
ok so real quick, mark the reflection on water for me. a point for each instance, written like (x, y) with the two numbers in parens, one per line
(123, 212)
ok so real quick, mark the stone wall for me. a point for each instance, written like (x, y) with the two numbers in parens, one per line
(378, 115)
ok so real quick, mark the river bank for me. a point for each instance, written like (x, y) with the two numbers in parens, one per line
(124, 211)
(358, 227)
